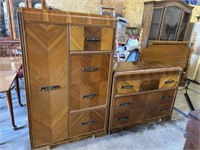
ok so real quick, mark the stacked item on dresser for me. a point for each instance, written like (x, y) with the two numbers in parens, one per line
(125, 43)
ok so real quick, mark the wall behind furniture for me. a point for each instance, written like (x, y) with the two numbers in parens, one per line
(85, 6)
(133, 9)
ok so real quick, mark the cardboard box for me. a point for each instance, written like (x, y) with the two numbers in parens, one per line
(122, 24)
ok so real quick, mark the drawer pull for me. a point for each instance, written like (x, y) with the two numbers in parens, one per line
(48, 88)
(89, 96)
(164, 110)
(169, 82)
(124, 104)
(121, 119)
(127, 87)
(88, 123)
(90, 69)
(92, 39)
(165, 98)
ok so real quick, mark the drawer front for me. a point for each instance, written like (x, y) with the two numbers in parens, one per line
(149, 84)
(88, 95)
(167, 97)
(90, 68)
(127, 86)
(129, 103)
(128, 117)
(91, 38)
(86, 122)
(168, 82)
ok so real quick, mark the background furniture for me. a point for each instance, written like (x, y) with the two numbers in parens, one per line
(192, 132)
(165, 20)
(67, 64)
(142, 92)
(9, 67)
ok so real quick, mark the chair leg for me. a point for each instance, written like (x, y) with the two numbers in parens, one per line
(10, 107)
(18, 91)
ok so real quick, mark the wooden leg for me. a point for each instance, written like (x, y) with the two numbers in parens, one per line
(10, 107)
(18, 91)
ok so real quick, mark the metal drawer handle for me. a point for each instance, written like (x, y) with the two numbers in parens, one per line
(121, 119)
(89, 96)
(164, 110)
(166, 97)
(92, 39)
(90, 69)
(124, 104)
(88, 123)
(48, 88)
(127, 87)
(169, 82)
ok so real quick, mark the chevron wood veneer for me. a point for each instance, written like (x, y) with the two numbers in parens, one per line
(91, 38)
(142, 94)
(67, 60)
(45, 69)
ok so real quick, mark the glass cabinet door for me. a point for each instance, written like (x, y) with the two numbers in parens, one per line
(170, 24)
(5, 26)
(155, 24)
(183, 27)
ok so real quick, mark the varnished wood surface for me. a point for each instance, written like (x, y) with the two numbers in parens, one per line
(6, 80)
(62, 17)
(46, 55)
(176, 54)
(85, 83)
(192, 131)
(86, 122)
(10, 63)
(103, 36)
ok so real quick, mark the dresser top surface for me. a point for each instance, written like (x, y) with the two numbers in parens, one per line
(64, 17)
(131, 66)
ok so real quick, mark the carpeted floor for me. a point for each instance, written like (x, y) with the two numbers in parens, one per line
(158, 135)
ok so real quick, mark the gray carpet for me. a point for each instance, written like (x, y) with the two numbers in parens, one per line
(159, 135)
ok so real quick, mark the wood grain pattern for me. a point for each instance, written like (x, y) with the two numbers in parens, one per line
(80, 34)
(45, 44)
(86, 122)
(76, 37)
(62, 17)
(168, 82)
(174, 54)
(86, 82)
(128, 86)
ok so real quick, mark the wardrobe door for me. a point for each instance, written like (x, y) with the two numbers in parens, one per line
(46, 68)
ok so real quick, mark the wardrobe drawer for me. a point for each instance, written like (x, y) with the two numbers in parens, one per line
(86, 122)
(88, 38)
(130, 102)
(88, 95)
(89, 68)
(128, 86)
(170, 81)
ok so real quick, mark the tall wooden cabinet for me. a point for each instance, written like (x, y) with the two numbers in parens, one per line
(165, 20)
(67, 59)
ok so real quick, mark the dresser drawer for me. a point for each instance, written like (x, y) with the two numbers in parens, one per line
(167, 97)
(130, 102)
(88, 38)
(148, 84)
(88, 95)
(128, 86)
(86, 122)
(170, 81)
(89, 68)
(128, 117)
